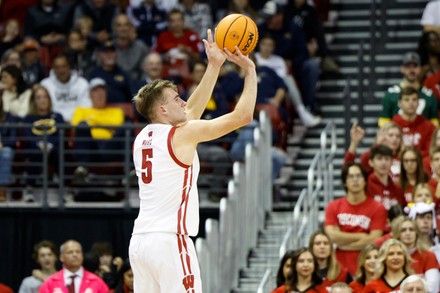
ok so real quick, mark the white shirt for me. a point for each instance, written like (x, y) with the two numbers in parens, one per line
(275, 62)
(431, 14)
(79, 275)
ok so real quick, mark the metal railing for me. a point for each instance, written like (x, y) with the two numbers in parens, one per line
(242, 214)
(305, 215)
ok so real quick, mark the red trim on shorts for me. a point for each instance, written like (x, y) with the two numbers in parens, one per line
(170, 148)
(188, 278)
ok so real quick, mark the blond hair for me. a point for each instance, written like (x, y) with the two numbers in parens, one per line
(383, 254)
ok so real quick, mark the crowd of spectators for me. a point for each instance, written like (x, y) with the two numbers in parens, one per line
(388, 220)
(77, 62)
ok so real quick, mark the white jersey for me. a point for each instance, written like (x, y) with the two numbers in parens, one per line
(168, 193)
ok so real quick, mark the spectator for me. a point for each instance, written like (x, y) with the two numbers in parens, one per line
(395, 214)
(151, 70)
(393, 266)
(380, 186)
(96, 138)
(390, 135)
(11, 57)
(435, 142)
(108, 265)
(366, 268)
(48, 22)
(102, 13)
(14, 91)
(178, 46)
(340, 287)
(73, 275)
(242, 7)
(11, 37)
(80, 54)
(125, 279)
(410, 70)
(350, 235)
(44, 122)
(66, 88)
(305, 274)
(130, 52)
(198, 16)
(429, 52)
(32, 68)
(8, 139)
(265, 57)
(45, 254)
(424, 215)
(329, 268)
(431, 17)
(284, 272)
(84, 25)
(291, 44)
(433, 182)
(148, 19)
(412, 171)
(306, 17)
(414, 283)
(417, 130)
(423, 261)
(117, 80)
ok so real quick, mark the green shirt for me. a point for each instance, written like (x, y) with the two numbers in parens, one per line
(427, 105)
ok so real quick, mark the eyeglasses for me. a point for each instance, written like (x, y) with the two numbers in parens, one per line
(355, 176)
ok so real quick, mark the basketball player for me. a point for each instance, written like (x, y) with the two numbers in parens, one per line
(161, 253)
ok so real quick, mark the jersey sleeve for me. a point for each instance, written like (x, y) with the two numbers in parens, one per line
(379, 219)
(331, 218)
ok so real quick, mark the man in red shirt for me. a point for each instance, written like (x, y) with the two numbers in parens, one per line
(178, 46)
(380, 186)
(355, 220)
(417, 130)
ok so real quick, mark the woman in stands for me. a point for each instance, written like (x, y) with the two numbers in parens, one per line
(367, 266)
(435, 142)
(390, 135)
(125, 280)
(393, 266)
(285, 268)
(329, 268)
(305, 276)
(423, 261)
(44, 123)
(412, 172)
(429, 52)
(14, 91)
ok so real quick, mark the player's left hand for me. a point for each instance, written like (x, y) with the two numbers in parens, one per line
(216, 56)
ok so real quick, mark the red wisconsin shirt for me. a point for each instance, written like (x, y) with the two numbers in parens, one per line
(356, 287)
(423, 261)
(313, 289)
(364, 217)
(167, 41)
(389, 195)
(342, 277)
(416, 133)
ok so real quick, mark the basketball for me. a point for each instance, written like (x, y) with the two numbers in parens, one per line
(237, 30)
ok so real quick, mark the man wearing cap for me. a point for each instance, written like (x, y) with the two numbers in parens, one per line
(66, 88)
(117, 80)
(97, 138)
(31, 66)
(410, 70)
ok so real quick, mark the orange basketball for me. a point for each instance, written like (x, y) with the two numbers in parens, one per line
(237, 30)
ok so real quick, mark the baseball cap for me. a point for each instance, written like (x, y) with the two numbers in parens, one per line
(96, 82)
(411, 58)
(107, 46)
(271, 8)
(30, 44)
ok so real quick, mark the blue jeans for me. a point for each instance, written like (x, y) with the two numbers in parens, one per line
(309, 79)
(6, 157)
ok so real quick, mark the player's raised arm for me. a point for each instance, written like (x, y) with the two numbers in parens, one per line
(197, 101)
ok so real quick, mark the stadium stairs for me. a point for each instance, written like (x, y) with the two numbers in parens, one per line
(396, 31)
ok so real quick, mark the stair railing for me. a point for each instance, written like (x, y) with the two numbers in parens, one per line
(242, 214)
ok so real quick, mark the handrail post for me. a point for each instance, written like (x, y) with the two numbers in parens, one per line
(45, 151)
(127, 186)
(347, 113)
(61, 169)
(360, 81)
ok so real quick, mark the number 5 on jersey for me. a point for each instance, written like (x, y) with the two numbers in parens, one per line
(147, 165)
